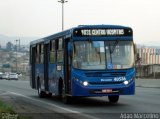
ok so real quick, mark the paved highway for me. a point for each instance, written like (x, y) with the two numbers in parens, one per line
(146, 100)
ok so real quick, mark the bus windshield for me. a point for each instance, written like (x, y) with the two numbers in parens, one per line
(92, 55)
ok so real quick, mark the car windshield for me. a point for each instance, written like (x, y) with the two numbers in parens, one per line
(103, 54)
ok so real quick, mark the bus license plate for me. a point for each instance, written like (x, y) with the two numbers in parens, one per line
(106, 90)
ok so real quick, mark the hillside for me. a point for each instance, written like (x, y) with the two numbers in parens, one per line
(23, 40)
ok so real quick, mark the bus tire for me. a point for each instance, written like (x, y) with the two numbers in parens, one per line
(66, 99)
(113, 99)
(41, 93)
(49, 95)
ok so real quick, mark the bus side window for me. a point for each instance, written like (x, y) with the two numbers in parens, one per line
(60, 50)
(37, 54)
(42, 53)
(52, 52)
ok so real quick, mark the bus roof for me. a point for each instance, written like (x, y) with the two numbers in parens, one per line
(70, 31)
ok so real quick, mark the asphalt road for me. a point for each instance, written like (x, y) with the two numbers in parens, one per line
(144, 104)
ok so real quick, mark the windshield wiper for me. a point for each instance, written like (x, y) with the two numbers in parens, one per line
(110, 52)
(114, 46)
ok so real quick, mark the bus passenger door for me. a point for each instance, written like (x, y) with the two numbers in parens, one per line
(46, 62)
(32, 64)
(67, 70)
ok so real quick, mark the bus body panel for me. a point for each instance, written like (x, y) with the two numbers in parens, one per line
(54, 77)
(39, 68)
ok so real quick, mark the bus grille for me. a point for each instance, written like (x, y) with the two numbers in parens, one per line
(105, 74)
(105, 83)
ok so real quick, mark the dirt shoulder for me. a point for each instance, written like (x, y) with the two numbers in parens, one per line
(27, 108)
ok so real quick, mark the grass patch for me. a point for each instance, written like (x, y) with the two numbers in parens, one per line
(4, 108)
(8, 111)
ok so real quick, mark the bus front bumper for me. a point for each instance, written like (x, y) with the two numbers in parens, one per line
(103, 90)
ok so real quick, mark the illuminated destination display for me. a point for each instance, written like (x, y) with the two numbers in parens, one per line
(103, 32)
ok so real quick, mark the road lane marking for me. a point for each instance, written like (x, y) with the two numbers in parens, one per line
(18, 94)
(6, 93)
(54, 105)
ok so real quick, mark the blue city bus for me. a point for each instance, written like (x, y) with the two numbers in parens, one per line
(84, 61)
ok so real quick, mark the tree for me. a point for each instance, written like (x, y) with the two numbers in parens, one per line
(9, 46)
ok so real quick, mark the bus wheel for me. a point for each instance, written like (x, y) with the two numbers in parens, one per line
(66, 99)
(41, 93)
(49, 95)
(113, 99)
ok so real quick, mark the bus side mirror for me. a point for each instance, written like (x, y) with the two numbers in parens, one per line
(135, 52)
(69, 49)
(135, 48)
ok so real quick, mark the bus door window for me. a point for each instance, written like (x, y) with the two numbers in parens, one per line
(37, 54)
(52, 64)
(41, 53)
(52, 58)
(60, 54)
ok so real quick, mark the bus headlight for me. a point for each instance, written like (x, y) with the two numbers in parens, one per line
(126, 82)
(85, 83)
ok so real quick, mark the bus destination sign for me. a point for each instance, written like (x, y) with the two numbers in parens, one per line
(103, 32)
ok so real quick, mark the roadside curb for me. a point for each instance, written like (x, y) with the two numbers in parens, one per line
(148, 83)
(147, 87)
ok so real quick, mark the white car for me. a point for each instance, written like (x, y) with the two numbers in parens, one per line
(5, 76)
(1, 75)
(13, 76)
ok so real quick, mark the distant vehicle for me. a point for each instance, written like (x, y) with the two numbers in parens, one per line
(1, 75)
(19, 74)
(5, 76)
(13, 76)
(85, 61)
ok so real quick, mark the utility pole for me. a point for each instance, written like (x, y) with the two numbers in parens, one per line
(23, 59)
(19, 44)
(63, 1)
(16, 55)
(18, 40)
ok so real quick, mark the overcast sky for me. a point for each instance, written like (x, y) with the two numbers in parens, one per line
(40, 18)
